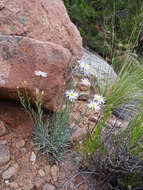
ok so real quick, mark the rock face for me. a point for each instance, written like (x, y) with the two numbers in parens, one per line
(20, 57)
(36, 35)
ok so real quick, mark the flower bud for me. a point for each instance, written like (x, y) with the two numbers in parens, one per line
(37, 91)
(25, 83)
(42, 93)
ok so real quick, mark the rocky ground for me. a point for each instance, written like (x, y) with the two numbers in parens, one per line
(22, 167)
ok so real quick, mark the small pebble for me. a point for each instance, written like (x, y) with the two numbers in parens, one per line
(33, 157)
(20, 143)
(6, 181)
(41, 173)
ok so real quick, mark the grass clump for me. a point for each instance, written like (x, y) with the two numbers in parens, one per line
(120, 165)
(126, 92)
(54, 139)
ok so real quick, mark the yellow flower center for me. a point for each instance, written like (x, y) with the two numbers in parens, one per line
(99, 98)
(72, 94)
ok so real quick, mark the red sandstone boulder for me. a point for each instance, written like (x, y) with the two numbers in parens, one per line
(36, 35)
(21, 57)
(45, 20)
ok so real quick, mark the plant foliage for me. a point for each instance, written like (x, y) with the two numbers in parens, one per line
(104, 24)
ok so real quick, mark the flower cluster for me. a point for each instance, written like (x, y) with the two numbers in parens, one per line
(97, 99)
(96, 102)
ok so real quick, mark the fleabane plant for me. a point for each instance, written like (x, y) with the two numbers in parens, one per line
(72, 95)
(51, 133)
(95, 106)
(25, 100)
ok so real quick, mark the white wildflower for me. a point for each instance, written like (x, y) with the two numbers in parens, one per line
(94, 106)
(99, 99)
(85, 81)
(72, 95)
(80, 142)
(40, 73)
(83, 66)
